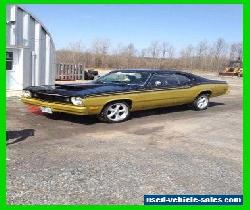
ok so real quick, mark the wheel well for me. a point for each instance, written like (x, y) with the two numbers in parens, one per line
(208, 92)
(128, 101)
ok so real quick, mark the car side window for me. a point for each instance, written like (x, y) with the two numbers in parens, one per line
(164, 80)
(182, 79)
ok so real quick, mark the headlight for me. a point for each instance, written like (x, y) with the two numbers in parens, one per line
(76, 101)
(26, 94)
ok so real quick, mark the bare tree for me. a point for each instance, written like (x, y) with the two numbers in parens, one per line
(76, 48)
(100, 48)
(143, 53)
(219, 52)
(187, 55)
(239, 50)
(236, 51)
(159, 54)
(154, 49)
(164, 48)
(201, 53)
(170, 51)
(131, 51)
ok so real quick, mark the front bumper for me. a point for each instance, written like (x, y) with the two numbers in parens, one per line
(56, 106)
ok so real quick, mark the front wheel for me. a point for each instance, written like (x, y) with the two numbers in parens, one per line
(201, 102)
(115, 112)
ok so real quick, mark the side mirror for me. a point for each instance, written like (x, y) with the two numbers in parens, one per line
(157, 83)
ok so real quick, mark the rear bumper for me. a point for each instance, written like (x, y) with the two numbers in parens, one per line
(57, 107)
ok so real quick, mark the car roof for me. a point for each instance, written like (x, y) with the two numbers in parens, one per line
(160, 71)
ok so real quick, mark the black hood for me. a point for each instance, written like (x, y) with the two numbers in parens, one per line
(82, 89)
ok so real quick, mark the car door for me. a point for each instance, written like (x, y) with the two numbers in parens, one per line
(164, 90)
(157, 92)
(184, 93)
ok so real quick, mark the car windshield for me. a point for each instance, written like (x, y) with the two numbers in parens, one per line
(131, 78)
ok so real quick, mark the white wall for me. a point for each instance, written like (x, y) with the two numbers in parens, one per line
(27, 34)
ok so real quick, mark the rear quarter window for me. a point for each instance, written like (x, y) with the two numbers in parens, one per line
(166, 80)
(182, 79)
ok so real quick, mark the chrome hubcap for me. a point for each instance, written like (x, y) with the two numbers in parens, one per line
(117, 112)
(202, 102)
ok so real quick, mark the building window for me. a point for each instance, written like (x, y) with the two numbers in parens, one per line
(9, 60)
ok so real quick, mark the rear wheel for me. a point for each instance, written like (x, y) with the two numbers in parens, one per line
(201, 102)
(115, 112)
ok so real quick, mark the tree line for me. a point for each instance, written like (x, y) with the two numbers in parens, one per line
(213, 56)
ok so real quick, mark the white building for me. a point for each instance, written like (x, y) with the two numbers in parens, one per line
(29, 51)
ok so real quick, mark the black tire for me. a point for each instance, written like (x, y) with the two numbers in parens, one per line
(88, 76)
(93, 72)
(201, 102)
(120, 114)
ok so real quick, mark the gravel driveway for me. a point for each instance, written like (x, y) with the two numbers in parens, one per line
(78, 160)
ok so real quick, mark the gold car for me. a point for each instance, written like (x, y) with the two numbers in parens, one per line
(113, 96)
